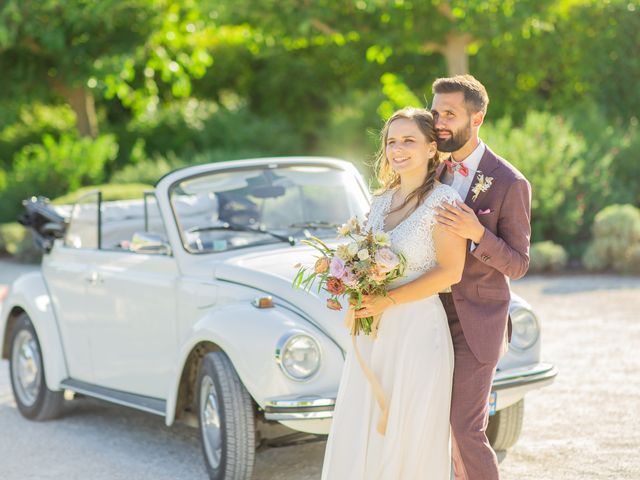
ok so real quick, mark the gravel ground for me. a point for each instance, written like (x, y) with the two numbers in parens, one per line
(585, 426)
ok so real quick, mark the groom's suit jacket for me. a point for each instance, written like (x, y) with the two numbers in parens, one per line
(482, 296)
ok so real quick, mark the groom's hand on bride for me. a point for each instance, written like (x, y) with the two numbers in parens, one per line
(460, 220)
(373, 305)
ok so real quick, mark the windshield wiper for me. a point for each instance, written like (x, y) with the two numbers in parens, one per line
(314, 225)
(242, 228)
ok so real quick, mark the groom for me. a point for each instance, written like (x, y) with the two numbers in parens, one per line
(495, 219)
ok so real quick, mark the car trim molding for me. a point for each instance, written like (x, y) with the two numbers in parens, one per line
(139, 402)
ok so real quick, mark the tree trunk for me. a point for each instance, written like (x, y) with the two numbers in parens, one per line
(82, 102)
(455, 52)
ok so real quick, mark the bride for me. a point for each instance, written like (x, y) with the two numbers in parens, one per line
(412, 356)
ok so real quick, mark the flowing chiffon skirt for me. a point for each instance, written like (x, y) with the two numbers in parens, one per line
(412, 358)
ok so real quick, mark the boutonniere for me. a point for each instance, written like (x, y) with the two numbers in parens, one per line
(482, 185)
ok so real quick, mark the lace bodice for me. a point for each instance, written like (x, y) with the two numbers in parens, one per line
(413, 237)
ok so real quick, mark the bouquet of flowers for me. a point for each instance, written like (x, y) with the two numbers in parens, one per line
(364, 265)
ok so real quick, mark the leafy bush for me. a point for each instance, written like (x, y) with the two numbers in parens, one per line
(16, 240)
(146, 171)
(547, 257)
(32, 122)
(55, 167)
(570, 179)
(616, 240)
(110, 192)
(190, 127)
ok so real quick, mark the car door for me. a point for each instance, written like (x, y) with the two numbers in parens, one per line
(66, 274)
(133, 304)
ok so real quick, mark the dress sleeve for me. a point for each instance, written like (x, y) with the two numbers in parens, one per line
(441, 194)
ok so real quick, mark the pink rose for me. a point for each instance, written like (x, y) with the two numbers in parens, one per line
(337, 268)
(386, 260)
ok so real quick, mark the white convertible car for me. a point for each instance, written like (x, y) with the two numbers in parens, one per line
(180, 304)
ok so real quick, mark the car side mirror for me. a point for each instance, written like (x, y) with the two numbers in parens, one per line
(52, 229)
(150, 243)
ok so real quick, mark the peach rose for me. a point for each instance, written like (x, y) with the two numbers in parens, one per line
(334, 304)
(322, 265)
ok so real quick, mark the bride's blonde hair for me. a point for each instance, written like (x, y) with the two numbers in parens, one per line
(387, 177)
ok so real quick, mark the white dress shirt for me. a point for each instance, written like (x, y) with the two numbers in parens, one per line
(462, 184)
(459, 182)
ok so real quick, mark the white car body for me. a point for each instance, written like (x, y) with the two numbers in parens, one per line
(124, 326)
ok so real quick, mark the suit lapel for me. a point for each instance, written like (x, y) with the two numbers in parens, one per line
(487, 165)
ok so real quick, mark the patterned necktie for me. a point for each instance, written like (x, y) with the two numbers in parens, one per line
(459, 167)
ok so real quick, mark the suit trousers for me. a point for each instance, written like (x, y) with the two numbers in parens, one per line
(472, 382)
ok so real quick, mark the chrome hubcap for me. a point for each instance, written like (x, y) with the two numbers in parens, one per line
(25, 368)
(210, 421)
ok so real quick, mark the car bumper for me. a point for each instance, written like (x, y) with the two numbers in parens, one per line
(510, 386)
(300, 408)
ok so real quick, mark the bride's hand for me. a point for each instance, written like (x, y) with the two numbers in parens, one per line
(373, 305)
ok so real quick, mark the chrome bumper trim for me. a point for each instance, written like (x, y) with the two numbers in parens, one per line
(321, 407)
(299, 408)
(518, 377)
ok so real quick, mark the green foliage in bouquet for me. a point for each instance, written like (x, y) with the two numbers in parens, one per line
(616, 240)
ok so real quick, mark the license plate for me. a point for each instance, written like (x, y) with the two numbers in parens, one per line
(493, 400)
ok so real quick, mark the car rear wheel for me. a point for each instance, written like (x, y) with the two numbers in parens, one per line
(505, 426)
(35, 401)
(226, 418)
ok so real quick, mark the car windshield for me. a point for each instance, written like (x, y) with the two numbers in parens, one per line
(239, 208)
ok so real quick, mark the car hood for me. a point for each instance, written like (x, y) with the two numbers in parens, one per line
(273, 272)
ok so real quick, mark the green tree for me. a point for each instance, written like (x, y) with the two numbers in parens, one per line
(74, 48)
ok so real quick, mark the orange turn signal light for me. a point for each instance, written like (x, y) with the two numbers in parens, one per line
(263, 302)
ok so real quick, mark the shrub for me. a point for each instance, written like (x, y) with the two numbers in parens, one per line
(193, 126)
(110, 192)
(147, 171)
(55, 167)
(553, 157)
(616, 240)
(547, 257)
(16, 240)
(29, 124)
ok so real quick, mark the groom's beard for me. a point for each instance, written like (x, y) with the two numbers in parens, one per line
(456, 141)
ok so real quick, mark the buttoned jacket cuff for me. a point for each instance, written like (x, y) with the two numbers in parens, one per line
(484, 250)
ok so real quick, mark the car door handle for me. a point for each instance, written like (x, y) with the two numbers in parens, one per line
(94, 279)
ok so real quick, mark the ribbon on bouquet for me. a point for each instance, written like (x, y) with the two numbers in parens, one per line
(376, 387)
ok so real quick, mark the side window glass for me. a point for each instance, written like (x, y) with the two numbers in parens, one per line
(134, 226)
(82, 231)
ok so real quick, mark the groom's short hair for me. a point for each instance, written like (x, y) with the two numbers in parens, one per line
(475, 95)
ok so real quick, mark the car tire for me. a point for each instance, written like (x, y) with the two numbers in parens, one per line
(26, 369)
(226, 420)
(505, 426)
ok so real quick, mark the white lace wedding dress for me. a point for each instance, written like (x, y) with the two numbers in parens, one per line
(412, 358)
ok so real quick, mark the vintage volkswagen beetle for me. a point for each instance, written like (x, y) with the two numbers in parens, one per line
(180, 304)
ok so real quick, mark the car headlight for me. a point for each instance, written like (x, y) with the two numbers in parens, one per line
(526, 329)
(298, 355)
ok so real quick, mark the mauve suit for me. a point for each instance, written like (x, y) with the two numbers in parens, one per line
(478, 306)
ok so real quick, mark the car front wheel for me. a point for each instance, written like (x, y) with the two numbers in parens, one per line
(35, 401)
(226, 418)
(505, 426)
